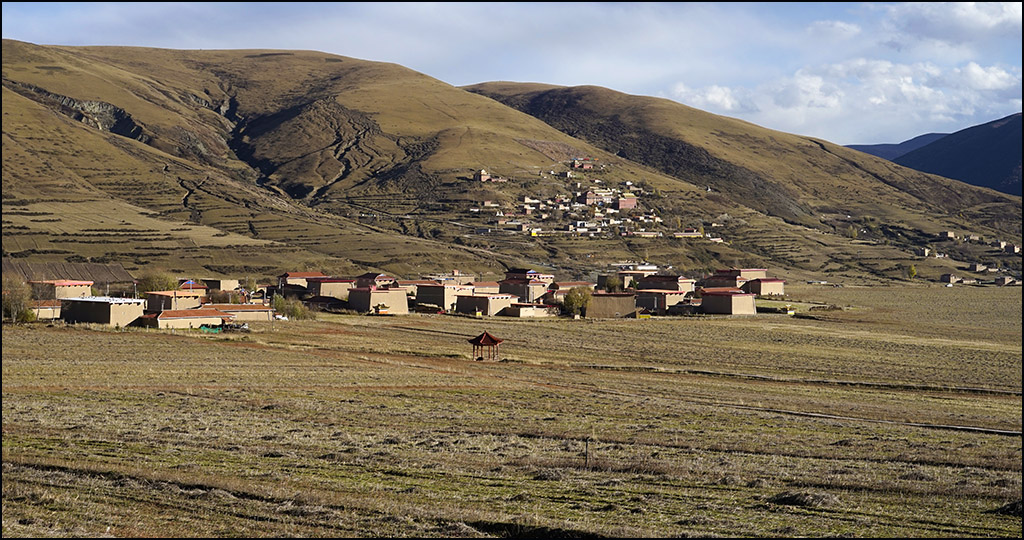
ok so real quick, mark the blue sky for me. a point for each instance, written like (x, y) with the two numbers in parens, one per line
(850, 73)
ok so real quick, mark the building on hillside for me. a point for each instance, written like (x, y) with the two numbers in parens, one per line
(442, 295)
(373, 279)
(487, 305)
(297, 279)
(55, 289)
(950, 278)
(727, 301)
(765, 287)
(102, 310)
(922, 251)
(977, 267)
(244, 312)
(626, 201)
(330, 287)
(947, 234)
(1003, 281)
(528, 290)
(658, 301)
(392, 301)
(176, 299)
(666, 282)
(611, 305)
(184, 318)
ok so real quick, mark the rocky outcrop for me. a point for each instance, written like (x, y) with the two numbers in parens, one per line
(98, 114)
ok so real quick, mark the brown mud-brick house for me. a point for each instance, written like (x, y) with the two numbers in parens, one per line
(185, 318)
(442, 295)
(102, 310)
(658, 301)
(176, 299)
(330, 287)
(393, 301)
(556, 291)
(666, 283)
(55, 289)
(485, 287)
(611, 305)
(525, 310)
(727, 301)
(374, 279)
(765, 286)
(487, 305)
(298, 279)
(244, 312)
(528, 290)
(216, 284)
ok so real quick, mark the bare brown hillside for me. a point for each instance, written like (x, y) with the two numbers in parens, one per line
(263, 161)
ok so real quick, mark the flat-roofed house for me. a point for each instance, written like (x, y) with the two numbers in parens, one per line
(330, 287)
(658, 301)
(766, 286)
(221, 284)
(45, 310)
(529, 274)
(185, 318)
(528, 290)
(484, 304)
(413, 285)
(392, 301)
(374, 279)
(666, 283)
(727, 301)
(54, 289)
(525, 310)
(485, 287)
(296, 278)
(102, 310)
(556, 291)
(442, 295)
(244, 312)
(611, 305)
(176, 299)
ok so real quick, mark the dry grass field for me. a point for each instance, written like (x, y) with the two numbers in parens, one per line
(898, 415)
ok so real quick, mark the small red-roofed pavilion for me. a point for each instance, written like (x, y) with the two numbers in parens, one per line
(485, 343)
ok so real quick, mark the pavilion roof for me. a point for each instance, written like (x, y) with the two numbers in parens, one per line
(485, 339)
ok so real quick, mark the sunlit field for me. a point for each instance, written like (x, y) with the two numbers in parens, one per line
(897, 413)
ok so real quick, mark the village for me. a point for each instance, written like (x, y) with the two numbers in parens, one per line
(627, 289)
(591, 207)
(630, 290)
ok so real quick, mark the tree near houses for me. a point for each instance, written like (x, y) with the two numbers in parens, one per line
(156, 281)
(17, 297)
(576, 300)
(613, 283)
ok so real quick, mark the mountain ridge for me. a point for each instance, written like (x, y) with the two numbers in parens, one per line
(349, 164)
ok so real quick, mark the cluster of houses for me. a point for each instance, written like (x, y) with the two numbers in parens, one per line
(593, 209)
(186, 307)
(630, 291)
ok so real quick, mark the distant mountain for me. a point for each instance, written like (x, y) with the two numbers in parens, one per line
(988, 155)
(893, 151)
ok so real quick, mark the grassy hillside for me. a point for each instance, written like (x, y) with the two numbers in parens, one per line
(802, 180)
(305, 160)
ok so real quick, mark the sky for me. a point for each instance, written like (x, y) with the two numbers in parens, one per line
(849, 73)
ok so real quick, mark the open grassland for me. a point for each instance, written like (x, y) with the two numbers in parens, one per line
(897, 416)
